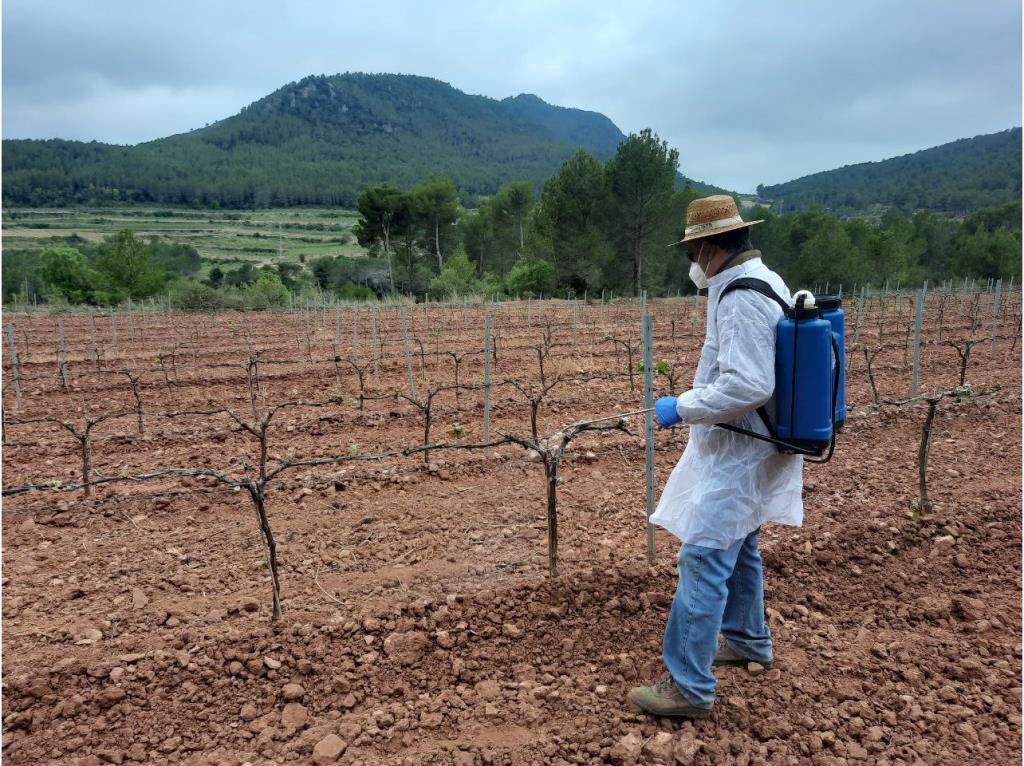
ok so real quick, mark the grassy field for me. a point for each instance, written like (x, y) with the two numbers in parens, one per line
(222, 237)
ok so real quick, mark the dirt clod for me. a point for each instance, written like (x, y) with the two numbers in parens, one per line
(329, 749)
(292, 692)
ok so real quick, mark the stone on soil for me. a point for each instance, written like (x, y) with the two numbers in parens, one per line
(294, 715)
(329, 749)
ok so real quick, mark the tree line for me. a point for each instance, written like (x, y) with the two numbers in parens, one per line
(596, 227)
(124, 268)
(604, 227)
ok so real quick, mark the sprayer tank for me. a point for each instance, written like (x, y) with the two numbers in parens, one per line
(803, 378)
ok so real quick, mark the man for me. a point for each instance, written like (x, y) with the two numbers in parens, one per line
(727, 484)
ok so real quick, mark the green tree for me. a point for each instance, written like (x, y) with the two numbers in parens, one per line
(894, 251)
(125, 268)
(68, 274)
(988, 254)
(531, 278)
(216, 277)
(384, 214)
(268, 291)
(511, 206)
(243, 275)
(668, 267)
(571, 220)
(477, 232)
(435, 205)
(21, 279)
(828, 256)
(937, 234)
(175, 257)
(640, 177)
(509, 211)
(457, 277)
(495, 234)
(775, 241)
(289, 274)
(323, 269)
(333, 273)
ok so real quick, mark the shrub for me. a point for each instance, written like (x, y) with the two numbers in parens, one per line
(492, 285)
(457, 277)
(531, 278)
(268, 291)
(195, 296)
(353, 292)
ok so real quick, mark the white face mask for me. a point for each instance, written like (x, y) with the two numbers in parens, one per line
(697, 275)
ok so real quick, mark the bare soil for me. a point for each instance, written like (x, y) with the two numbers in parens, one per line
(420, 625)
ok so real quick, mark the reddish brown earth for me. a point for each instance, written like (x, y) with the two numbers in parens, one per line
(420, 625)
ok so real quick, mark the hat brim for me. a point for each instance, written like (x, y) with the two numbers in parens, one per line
(713, 232)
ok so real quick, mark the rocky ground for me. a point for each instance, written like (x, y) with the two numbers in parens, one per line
(420, 625)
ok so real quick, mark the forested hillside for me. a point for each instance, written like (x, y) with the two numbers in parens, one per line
(955, 178)
(318, 141)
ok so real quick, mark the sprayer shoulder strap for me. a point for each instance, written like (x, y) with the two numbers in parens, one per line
(762, 287)
(758, 286)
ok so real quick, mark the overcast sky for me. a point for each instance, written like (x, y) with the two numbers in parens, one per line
(748, 92)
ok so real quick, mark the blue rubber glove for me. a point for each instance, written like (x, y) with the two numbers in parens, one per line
(665, 411)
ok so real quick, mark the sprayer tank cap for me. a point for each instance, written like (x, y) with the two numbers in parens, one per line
(808, 296)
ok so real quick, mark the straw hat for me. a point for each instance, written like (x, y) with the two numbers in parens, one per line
(708, 216)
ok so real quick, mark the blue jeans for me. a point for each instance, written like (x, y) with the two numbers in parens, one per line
(719, 591)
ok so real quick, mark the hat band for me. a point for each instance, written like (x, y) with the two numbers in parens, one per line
(720, 224)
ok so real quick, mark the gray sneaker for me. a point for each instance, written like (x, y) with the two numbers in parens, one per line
(726, 656)
(665, 699)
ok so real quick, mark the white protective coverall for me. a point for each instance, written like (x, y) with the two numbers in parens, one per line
(727, 484)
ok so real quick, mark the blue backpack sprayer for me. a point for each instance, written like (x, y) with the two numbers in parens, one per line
(810, 372)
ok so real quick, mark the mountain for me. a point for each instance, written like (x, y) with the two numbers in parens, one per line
(321, 140)
(955, 178)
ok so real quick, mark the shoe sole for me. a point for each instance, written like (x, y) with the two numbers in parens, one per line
(741, 663)
(691, 713)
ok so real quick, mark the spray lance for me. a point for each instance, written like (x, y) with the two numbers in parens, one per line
(620, 416)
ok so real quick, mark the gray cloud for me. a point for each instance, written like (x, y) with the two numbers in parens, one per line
(748, 92)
